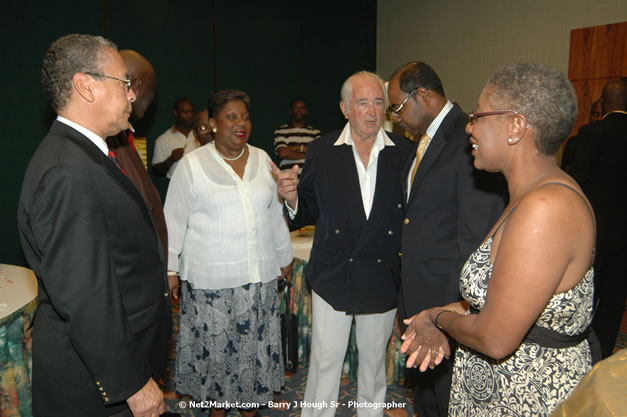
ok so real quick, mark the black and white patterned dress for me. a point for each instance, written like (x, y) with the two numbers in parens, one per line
(534, 379)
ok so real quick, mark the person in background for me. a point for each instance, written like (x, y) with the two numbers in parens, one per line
(449, 207)
(101, 329)
(202, 129)
(596, 111)
(524, 324)
(176, 141)
(292, 139)
(229, 243)
(350, 189)
(573, 146)
(600, 171)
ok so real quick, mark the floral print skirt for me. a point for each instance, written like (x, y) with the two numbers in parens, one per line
(229, 344)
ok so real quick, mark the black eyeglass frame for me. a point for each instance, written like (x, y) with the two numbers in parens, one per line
(127, 82)
(397, 112)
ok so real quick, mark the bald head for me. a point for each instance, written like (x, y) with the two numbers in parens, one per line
(144, 80)
(614, 96)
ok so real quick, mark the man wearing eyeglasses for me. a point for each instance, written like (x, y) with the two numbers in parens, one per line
(449, 209)
(101, 329)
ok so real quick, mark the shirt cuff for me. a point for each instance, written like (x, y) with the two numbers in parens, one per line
(291, 212)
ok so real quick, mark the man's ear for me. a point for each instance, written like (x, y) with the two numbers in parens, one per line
(343, 108)
(85, 86)
(137, 85)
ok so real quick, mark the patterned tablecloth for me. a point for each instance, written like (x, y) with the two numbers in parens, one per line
(18, 302)
(300, 305)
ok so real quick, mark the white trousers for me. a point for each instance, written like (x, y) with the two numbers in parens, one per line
(330, 336)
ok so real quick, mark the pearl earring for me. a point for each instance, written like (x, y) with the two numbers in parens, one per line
(214, 130)
(510, 140)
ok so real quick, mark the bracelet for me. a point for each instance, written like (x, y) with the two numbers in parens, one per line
(437, 316)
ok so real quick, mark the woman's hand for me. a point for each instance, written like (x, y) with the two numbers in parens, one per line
(286, 272)
(423, 342)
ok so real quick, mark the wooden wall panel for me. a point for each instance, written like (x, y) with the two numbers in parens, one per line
(598, 54)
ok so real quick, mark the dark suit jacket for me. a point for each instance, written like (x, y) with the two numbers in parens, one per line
(353, 259)
(451, 208)
(103, 320)
(600, 168)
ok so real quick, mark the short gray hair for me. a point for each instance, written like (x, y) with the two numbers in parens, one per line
(347, 87)
(67, 56)
(542, 94)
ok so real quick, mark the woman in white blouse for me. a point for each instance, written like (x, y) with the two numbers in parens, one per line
(228, 242)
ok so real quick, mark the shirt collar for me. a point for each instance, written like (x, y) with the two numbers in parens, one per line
(97, 140)
(382, 140)
(435, 124)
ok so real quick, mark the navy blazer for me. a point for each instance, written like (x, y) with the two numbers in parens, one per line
(103, 320)
(353, 260)
(451, 208)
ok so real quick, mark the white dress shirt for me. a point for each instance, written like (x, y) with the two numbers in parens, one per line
(367, 175)
(225, 231)
(97, 140)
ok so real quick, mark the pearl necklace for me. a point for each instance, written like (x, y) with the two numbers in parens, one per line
(226, 158)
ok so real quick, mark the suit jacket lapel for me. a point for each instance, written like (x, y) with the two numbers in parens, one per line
(383, 193)
(96, 155)
(433, 150)
(347, 180)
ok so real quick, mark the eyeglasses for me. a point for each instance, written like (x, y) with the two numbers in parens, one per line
(396, 112)
(473, 116)
(127, 83)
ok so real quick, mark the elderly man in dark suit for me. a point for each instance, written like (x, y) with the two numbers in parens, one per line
(450, 207)
(100, 333)
(350, 188)
(599, 168)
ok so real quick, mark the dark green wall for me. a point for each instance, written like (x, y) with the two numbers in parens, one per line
(274, 50)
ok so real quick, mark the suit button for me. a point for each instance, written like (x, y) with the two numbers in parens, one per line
(390, 232)
(337, 231)
(399, 206)
(350, 260)
(97, 382)
(165, 294)
(106, 399)
(378, 261)
(406, 221)
(400, 253)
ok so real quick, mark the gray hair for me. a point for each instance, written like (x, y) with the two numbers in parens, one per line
(221, 97)
(347, 87)
(67, 56)
(540, 93)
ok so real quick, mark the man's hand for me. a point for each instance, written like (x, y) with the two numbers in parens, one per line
(287, 184)
(177, 153)
(148, 401)
(424, 343)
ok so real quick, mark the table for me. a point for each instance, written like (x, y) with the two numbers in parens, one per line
(18, 302)
(300, 305)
